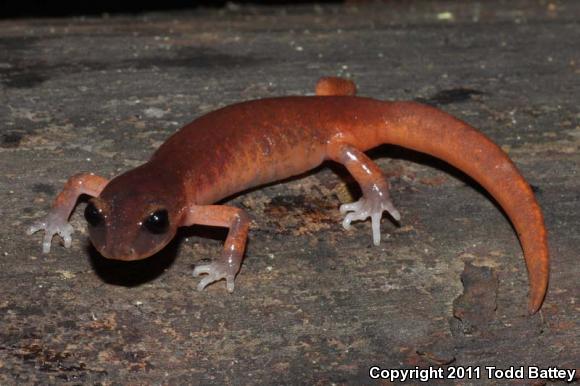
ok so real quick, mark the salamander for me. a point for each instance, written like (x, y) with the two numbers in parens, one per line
(252, 143)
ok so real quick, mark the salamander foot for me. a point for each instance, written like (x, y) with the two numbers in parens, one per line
(52, 224)
(215, 271)
(372, 207)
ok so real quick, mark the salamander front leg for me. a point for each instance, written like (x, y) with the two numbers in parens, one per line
(56, 221)
(228, 265)
(374, 186)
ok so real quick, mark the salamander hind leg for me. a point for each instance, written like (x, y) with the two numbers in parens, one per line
(334, 86)
(374, 185)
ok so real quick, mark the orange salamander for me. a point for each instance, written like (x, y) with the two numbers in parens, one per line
(247, 144)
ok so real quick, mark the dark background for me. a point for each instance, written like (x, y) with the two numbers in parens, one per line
(12, 8)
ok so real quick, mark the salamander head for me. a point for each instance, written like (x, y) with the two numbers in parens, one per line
(136, 215)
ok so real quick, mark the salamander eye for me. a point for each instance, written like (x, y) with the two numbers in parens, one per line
(157, 222)
(93, 215)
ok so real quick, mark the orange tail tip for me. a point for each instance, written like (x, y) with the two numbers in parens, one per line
(539, 274)
(332, 85)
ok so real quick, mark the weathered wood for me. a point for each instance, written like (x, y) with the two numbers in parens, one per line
(313, 303)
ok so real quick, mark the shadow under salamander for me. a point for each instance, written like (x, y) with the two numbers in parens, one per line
(138, 272)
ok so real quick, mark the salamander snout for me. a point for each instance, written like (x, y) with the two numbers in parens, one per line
(130, 234)
(123, 253)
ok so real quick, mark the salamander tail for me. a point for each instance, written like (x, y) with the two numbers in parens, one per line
(432, 131)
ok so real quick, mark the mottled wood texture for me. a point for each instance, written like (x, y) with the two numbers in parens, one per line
(313, 303)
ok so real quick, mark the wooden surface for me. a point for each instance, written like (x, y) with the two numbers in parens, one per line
(313, 303)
